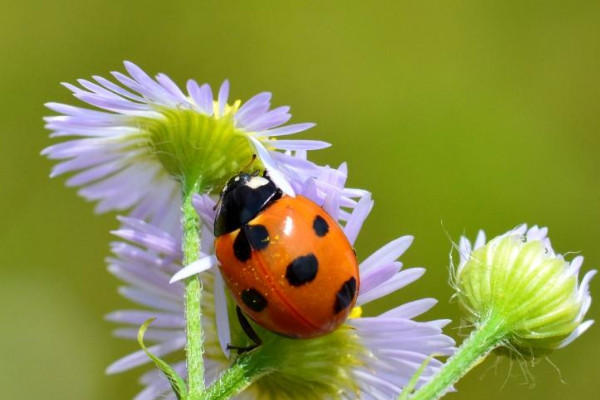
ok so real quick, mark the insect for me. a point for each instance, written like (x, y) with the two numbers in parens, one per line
(286, 262)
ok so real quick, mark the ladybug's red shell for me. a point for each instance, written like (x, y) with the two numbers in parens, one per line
(290, 268)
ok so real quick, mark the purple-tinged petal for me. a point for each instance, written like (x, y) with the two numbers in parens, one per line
(206, 98)
(137, 317)
(412, 309)
(221, 314)
(82, 162)
(115, 105)
(153, 335)
(170, 86)
(95, 173)
(202, 99)
(148, 280)
(372, 279)
(358, 217)
(73, 88)
(298, 144)
(223, 96)
(205, 206)
(144, 298)
(146, 81)
(400, 280)
(140, 358)
(73, 148)
(388, 253)
(271, 119)
(575, 266)
(145, 91)
(309, 190)
(150, 229)
(92, 87)
(117, 89)
(256, 106)
(73, 111)
(153, 242)
(331, 205)
(285, 130)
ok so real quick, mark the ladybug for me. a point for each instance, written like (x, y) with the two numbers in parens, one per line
(286, 262)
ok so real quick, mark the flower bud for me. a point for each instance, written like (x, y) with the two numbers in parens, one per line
(517, 278)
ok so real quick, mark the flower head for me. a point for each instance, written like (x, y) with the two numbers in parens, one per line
(519, 278)
(145, 136)
(368, 357)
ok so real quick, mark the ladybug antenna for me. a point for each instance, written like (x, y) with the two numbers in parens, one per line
(250, 163)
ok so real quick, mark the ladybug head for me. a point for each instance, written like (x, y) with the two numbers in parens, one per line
(244, 196)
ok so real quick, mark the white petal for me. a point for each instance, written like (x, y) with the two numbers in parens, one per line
(201, 265)
(576, 333)
(276, 176)
(480, 240)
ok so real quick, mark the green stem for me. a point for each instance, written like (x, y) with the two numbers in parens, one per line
(193, 295)
(237, 378)
(485, 338)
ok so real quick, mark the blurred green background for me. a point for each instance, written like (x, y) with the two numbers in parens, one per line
(456, 115)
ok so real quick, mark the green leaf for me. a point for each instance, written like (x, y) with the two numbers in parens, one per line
(175, 380)
(413, 381)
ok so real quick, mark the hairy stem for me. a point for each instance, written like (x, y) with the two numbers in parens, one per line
(238, 377)
(485, 338)
(193, 295)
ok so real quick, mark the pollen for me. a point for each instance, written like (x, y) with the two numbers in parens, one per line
(355, 313)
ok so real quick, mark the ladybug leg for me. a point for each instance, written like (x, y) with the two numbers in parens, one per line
(249, 331)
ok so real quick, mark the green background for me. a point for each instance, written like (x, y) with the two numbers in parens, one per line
(457, 115)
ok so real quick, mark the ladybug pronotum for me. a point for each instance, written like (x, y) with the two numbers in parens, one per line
(286, 262)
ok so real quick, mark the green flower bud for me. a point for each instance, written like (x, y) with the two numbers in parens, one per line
(517, 278)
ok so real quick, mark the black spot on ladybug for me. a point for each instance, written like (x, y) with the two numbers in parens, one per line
(344, 296)
(250, 237)
(258, 236)
(254, 300)
(320, 226)
(241, 247)
(302, 270)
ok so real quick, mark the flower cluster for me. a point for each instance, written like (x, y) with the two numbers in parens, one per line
(145, 142)
(370, 357)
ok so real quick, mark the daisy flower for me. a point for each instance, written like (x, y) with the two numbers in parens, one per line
(140, 137)
(367, 358)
